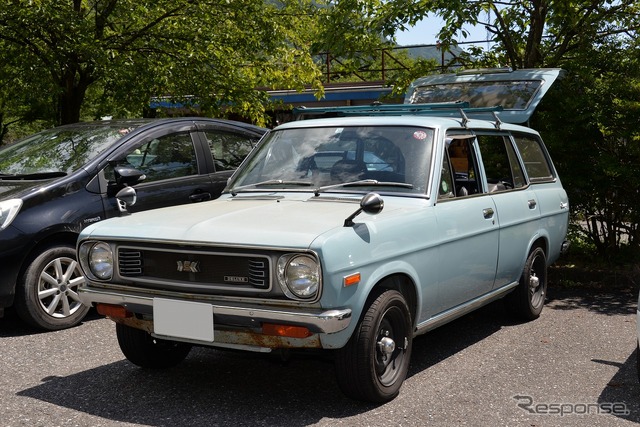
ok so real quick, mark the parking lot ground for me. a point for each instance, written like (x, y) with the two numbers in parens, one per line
(574, 366)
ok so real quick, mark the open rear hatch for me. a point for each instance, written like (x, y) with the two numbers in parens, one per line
(518, 92)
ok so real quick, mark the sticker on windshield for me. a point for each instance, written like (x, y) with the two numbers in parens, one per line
(420, 135)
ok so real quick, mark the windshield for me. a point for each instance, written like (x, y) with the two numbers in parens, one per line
(388, 158)
(60, 150)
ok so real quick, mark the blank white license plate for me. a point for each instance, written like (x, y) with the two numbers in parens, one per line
(183, 319)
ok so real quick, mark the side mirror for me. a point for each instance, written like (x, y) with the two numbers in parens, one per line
(371, 203)
(126, 197)
(126, 176)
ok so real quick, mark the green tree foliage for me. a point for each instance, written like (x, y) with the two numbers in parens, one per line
(527, 34)
(590, 124)
(120, 53)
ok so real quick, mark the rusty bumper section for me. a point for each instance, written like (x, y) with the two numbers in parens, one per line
(245, 321)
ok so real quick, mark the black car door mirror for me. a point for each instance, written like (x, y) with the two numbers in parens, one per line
(126, 176)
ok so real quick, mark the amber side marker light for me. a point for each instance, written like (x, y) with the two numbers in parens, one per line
(115, 311)
(285, 330)
(352, 279)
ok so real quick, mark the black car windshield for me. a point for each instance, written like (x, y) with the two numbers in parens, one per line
(61, 150)
(379, 157)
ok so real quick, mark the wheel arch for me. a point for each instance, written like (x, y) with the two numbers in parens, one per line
(60, 238)
(540, 241)
(402, 283)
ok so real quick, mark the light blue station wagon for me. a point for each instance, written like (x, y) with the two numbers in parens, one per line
(352, 232)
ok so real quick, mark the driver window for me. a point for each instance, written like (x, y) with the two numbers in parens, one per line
(465, 167)
(166, 157)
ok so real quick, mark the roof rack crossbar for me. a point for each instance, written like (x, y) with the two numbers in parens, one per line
(395, 109)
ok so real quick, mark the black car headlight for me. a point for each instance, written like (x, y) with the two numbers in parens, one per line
(299, 276)
(97, 260)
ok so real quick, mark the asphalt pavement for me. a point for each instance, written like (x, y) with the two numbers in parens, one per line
(574, 366)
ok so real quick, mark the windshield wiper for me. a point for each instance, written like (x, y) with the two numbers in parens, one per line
(235, 190)
(364, 182)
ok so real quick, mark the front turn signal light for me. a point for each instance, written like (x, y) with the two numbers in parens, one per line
(114, 311)
(285, 330)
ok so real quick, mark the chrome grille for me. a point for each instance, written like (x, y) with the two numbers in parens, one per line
(130, 262)
(196, 271)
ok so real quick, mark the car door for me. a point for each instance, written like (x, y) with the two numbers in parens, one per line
(468, 227)
(517, 205)
(177, 163)
(174, 171)
(551, 199)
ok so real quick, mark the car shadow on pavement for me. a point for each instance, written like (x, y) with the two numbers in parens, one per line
(441, 343)
(622, 394)
(208, 388)
(608, 302)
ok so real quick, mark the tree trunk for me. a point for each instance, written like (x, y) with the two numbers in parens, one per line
(72, 92)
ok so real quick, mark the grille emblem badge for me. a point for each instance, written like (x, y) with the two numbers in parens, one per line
(236, 279)
(189, 266)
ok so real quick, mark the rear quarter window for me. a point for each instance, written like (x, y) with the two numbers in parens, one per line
(533, 154)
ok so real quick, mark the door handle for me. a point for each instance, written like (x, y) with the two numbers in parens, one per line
(200, 197)
(487, 213)
(532, 203)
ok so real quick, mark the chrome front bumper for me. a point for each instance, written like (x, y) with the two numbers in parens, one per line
(317, 321)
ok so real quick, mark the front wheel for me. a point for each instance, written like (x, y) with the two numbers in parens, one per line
(47, 293)
(140, 348)
(374, 363)
(527, 300)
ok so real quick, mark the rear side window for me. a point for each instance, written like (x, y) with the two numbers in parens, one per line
(500, 162)
(536, 163)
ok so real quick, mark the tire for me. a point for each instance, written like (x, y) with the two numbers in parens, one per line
(374, 363)
(527, 300)
(141, 349)
(47, 292)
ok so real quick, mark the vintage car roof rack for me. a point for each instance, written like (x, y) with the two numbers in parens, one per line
(447, 109)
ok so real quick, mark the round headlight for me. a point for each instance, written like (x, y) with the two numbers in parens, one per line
(101, 261)
(300, 275)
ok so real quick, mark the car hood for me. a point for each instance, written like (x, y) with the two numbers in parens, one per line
(293, 222)
(17, 189)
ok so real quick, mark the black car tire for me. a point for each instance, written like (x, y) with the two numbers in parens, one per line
(141, 349)
(527, 300)
(47, 293)
(374, 363)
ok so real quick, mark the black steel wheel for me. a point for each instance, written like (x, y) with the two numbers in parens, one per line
(374, 363)
(527, 300)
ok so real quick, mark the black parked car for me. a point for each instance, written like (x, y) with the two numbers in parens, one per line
(58, 181)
